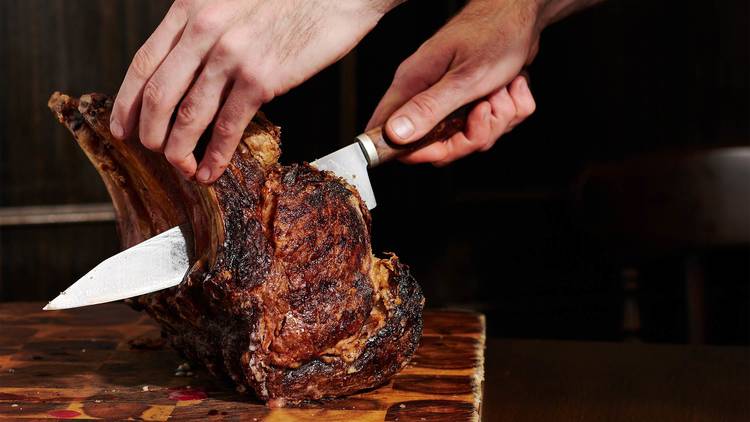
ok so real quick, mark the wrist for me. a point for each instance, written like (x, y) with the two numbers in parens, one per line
(551, 11)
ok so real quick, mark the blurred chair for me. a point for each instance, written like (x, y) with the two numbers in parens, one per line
(670, 203)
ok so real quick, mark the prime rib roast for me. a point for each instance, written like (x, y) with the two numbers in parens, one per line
(284, 295)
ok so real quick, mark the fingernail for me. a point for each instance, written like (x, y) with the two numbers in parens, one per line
(485, 114)
(402, 127)
(116, 129)
(204, 173)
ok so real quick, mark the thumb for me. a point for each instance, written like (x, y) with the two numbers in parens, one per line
(425, 110)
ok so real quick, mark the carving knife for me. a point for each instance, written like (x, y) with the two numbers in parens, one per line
(162, 261)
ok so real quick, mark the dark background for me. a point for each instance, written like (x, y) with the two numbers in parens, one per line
(506, 232)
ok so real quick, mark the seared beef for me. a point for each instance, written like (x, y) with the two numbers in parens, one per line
(284, 294)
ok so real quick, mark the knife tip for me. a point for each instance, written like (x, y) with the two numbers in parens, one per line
(51, 307)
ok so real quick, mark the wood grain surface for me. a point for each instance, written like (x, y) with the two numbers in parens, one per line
(546, 380)
(49, 45)
(96, 363)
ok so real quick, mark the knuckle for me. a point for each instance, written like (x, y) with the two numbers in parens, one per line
(225, 126)
(402, 70)
(185, 5)
(524, 110)
(510, 110)
(187, 113)
(263, 94)
(248, 74)
(408, 79)
(530, 107)
(152, 94)
(226, 48)
(206, 21)
(524, 104)
(488, 141)
(506, 108)
(143, 61)
(481, 143)
(254, 78)
(426, 104)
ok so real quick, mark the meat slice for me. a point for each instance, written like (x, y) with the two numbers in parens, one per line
(284, 295)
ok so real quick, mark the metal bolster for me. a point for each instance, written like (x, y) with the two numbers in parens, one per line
(368, 148)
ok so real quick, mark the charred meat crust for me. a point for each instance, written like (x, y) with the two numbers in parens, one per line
(284, 295)
(384, 354)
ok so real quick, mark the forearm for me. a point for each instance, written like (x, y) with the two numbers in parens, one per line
(551, 11)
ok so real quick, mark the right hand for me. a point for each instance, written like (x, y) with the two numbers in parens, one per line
(477, 54)
(219, 61)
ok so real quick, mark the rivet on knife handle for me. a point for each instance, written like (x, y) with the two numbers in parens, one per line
(379, 149)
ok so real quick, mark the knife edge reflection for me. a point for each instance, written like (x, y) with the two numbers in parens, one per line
(350, 164)
(154, 264)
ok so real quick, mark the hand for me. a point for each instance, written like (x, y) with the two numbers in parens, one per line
(219, 61)
(478, 54)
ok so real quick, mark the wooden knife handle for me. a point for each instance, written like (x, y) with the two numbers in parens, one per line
(378, 148)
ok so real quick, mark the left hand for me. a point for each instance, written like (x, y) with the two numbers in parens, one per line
(478, 54)
(219, 60)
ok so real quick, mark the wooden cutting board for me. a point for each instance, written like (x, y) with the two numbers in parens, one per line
(82, 364)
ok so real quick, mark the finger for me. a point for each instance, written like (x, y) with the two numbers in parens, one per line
(481, 133)
(145, 62)
(238, 109)
(503, 111)
(475, 135)
(523, 100)
(172, 79)
(417, 73)
(426, 109)
(195, 113)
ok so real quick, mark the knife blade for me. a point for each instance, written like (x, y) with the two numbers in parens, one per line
(351, 164)
(162, 261)
(154, 264)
